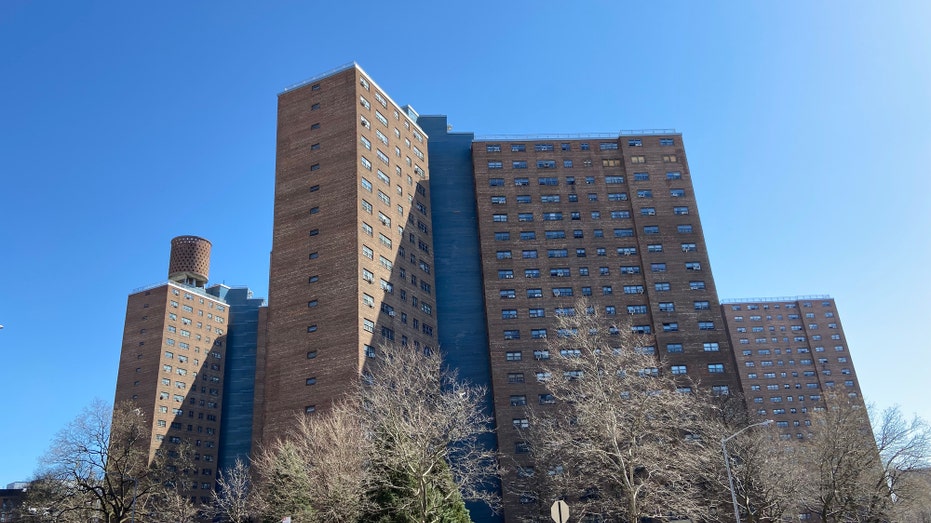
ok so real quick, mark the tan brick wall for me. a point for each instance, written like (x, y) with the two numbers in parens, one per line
(323, 207)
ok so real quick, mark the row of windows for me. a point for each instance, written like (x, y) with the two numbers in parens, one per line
(761, 340)
(558, 216)
(753, 307)
(566, 163)
(567, 146)
(618, 233)
(561, 234)
(544, 354)
(507, 274)
(532, 254)
(570, 180)
(795, 374)
(599, 251)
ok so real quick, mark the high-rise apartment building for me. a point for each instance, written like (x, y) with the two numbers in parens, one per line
(611, 219)
(352, 249)
(792, 357)
(523, 228)
(174, 360)
(472, 245)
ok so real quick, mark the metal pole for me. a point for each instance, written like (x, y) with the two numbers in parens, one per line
(730, 479)
(727, 463)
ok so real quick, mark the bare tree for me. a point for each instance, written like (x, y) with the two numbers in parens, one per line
(424, 426)
(171, 506)
(905, 450)
(285, 483)
(98, 466)
(233, 499)
(625, 441)
(769, 482)
(860, 476)
(317, 473)
(918, 507)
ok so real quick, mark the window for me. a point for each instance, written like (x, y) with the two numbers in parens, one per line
(673, 347)
(661, 286)
(500, 217)
(519, 164)
(696, 285)
(536, 313)
(518, 400)
(689, 247)
(512, 335)
(644, 193)
(555, 235)
(716, 368)
(670, 327)
(678, 370)
(531, 273)
(505, 274)
(529, 254)
(546, 164)
(520, 182)
(515, 377)
(657, 267)
(513, 355)
(493, 148)
(495, 182)
(692, 266)
(677, 193)
(684, 229)
(636, 309)
(607, 146)
(633, 289)
(562, 291)
(706, 325)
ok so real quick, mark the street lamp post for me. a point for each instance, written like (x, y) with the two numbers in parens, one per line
(727, 463)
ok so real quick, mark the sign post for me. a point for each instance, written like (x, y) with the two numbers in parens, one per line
(560, 511)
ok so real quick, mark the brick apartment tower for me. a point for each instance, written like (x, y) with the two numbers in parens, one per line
(351, 262)
(609, 218)
(171, 361)
(792, 357)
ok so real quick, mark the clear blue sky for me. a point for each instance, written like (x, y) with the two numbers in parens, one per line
(123, 124)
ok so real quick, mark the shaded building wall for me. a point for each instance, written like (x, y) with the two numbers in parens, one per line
(235, 440)
(457, 254)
